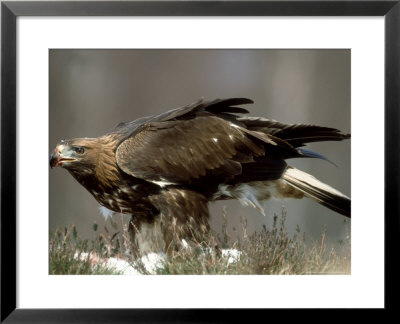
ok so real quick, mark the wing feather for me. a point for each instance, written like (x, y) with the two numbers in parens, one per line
(295, 134)
(181, 150)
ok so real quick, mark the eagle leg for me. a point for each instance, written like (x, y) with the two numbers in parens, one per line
(145, 235)
(183, 217)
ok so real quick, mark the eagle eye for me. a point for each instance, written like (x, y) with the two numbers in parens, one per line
(79, 150)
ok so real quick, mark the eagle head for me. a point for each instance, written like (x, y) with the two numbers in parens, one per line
(74, 154)
(88, 157)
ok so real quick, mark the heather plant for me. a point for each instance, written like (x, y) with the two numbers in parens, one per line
(270, 251)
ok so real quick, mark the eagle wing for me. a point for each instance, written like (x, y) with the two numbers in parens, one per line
(204, 139)
(178, 151)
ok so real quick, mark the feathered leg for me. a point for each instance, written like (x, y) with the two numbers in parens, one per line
(184, 215)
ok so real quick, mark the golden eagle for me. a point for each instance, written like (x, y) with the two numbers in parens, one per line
(164, 169)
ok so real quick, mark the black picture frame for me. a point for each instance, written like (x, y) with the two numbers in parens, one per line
(10, 10)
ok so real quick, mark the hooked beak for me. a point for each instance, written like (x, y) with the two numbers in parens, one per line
(57, 159)
(54, 159)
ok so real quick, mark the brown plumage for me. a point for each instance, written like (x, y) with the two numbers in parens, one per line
(164, 169)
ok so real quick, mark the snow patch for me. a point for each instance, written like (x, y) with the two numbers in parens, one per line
(122, 266)
(232, 255)
(153, 261)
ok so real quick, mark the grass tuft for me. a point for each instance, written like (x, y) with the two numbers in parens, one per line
(269, 251)
(71, 255)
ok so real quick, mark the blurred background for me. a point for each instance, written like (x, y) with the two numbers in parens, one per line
(91, 91)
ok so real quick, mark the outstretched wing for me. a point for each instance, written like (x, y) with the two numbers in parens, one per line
(178, 151)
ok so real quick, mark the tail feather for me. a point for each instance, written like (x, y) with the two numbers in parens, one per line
(318, 191)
